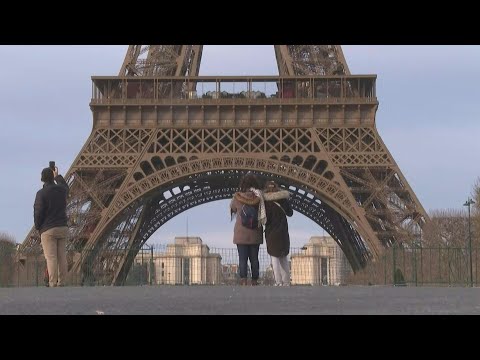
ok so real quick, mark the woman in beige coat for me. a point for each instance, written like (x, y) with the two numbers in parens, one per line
(248, 240)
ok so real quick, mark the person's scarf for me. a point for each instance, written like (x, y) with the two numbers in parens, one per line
(256, 201)
(260, 199)
(277, 195)
(262, 214)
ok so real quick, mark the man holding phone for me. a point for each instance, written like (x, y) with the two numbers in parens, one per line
(50, 216)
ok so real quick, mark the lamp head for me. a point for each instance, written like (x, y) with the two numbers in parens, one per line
(469, 202)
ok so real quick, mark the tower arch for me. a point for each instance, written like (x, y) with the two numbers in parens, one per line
(161, 132)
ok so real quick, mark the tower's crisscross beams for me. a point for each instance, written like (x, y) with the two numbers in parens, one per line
(165, 140)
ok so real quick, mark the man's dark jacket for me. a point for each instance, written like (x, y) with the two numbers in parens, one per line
(50, 208)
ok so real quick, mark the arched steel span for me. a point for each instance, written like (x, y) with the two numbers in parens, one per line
(152, 127)
(148, 213)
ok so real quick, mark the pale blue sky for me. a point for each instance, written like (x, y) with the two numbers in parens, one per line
(429, 117)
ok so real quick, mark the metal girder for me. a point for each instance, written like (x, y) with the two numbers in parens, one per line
(162, 60)
(133, 244)
(311, 60)
(184, 60)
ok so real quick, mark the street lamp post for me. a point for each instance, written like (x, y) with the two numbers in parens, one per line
(469, 203)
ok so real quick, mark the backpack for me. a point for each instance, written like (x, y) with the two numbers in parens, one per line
(249, 216)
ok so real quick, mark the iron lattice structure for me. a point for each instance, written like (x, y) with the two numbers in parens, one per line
(165, 140)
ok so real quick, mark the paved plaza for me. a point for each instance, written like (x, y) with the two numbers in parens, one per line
(207, 300)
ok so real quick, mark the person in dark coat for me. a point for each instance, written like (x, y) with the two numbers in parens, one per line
(277, 237)
(248, 240)
(50, 217)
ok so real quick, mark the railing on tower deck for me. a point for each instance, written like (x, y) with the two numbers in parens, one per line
(228, 89)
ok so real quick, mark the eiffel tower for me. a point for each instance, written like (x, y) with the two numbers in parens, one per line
(165, 140)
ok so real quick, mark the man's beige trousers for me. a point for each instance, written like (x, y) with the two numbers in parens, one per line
(54, 248)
